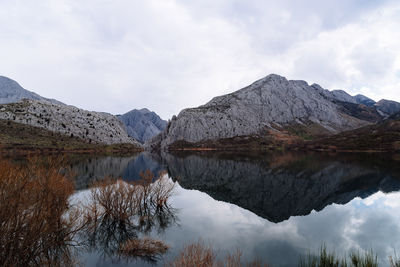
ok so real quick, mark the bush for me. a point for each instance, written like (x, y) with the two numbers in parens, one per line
(200, 254)
(33, 200)
(118, 211)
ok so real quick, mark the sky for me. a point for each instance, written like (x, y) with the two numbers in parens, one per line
(167, 55)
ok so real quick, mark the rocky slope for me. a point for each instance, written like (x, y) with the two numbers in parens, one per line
(387, 107)
(23, 139)
(383, 137)
(361, 99)
(142, 124)
(11, 92)
(268, 106)
(92, 127)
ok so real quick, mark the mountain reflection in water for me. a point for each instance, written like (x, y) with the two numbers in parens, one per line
(274, 186)
(260, 198)
(278, 186)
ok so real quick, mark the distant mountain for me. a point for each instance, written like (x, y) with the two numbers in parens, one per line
(22, 106)
(388, 107)
(270, 108)
(142, 124)
(11, 92)
(383, 137)
(93, 127)
(361, 99)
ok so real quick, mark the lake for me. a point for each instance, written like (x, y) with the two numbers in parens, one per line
(273, 206)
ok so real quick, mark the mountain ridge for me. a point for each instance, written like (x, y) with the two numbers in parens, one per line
(11, 92)
(142, 124)
(269, 104)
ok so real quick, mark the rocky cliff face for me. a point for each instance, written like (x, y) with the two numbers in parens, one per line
(11, 92)
(93, 127)
(142, 124)
(268, 104)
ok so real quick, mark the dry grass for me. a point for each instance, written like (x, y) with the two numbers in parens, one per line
(121, 201)
(200, 254)
(195, 255)
(120, 211)
(33, 200)
(144, 247)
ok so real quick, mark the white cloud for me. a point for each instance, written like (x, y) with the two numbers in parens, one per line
(167, 55)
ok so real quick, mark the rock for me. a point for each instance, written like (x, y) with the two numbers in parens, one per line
(96, 127)
(11, 92)
(142, 124)
(361, 99)
(387, 107)
(267, 104)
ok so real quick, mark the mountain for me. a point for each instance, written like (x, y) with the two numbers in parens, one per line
(142, 124)
(22, 139)
(272, 107)
(361, 99)
(387, 107)
(11, 92)
(383, 137)
(92, 127)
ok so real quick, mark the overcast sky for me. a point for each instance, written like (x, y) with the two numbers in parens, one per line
(167, 55)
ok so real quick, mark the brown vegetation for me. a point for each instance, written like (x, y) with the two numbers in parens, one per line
(33, 200)
(200, 254)
(381, 137)
(143, 247)
(17, 138)
(119, 211)
(39, 226)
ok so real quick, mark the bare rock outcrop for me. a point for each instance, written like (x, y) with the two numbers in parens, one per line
(11, 92)
(142, 124)
(96, 127)
(267, 104)
(387, 107)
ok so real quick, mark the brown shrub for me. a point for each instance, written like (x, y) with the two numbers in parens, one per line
(33, 200)
(115, 199)
(119, 211)
(145, 247)
(195, 255)
(200, 254)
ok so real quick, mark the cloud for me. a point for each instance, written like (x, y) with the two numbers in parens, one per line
(167, 55)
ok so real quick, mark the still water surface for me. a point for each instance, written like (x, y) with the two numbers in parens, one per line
(274, 207)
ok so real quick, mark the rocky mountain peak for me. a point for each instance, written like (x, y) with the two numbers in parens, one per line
(144, 111)
(362, 99)
(142, 124)
(388, 107)
(268, 104)
(11, 92)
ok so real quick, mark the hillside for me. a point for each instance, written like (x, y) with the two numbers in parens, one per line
(270, 109)
(24, 139)
(384, 137)
(93, 127)
(142, 124)
(11, 92)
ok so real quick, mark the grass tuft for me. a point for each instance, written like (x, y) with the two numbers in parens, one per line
(329, 259)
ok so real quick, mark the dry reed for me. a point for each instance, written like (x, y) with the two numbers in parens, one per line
(33, 200)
